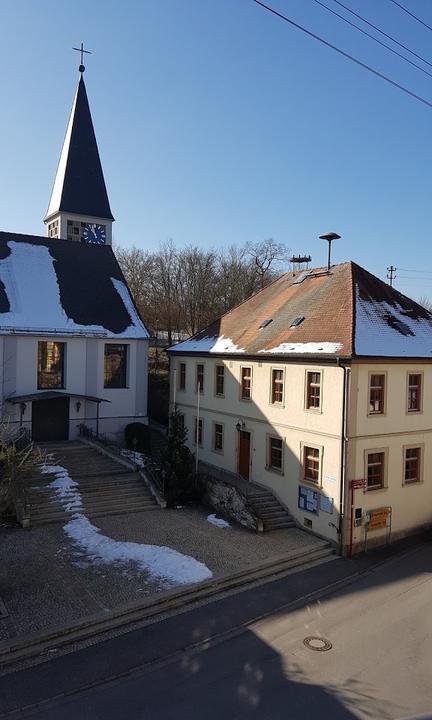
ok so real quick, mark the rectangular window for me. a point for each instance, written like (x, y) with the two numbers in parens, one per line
(376, 394)
(198, 432)
(275, 453)
(412, 465)
(200, 378)
(182, 378)
(313, 395)
(246, 383)
(414, 392)
(115, 371)
(50, 365)
(375, 470)
(311, 464)
(220, 379)
(218, 437)
(277, 386)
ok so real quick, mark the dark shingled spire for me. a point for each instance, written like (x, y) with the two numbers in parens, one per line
(79, 186)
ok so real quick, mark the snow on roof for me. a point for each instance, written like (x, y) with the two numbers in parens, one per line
(208, 344)
(60, 287)
(316, 348)
(384, 329)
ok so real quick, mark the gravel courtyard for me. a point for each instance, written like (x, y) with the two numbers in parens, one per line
(47, 579)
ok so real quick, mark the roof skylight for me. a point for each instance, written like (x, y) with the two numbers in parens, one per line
(297, 321)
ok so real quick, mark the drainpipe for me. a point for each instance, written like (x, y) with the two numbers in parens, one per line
(174, 398)
(197, 429)
(344, 445)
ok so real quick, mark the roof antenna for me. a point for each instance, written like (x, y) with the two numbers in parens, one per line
(330, 236)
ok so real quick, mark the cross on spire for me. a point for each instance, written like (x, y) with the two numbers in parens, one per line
(82, 51)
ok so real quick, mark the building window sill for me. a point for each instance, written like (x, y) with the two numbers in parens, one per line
(310, 483)
(277, 471)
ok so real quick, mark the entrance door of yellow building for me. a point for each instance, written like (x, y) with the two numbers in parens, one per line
(244, 454)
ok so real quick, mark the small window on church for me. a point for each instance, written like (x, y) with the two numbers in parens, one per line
(115, 366)
(50, 365)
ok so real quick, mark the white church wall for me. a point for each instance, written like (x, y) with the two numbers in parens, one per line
(83, 375)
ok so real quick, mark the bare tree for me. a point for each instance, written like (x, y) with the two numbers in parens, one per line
(237, 278)
(268, 257)
(425, 302)
(198, 287)
(183, 290)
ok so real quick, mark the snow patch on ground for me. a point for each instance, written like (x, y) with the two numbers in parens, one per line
(161, 562)
(327, 348)
(218, 521)
(209, 344)
(136, 457)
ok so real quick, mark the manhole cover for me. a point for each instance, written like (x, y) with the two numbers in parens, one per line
(317, 643)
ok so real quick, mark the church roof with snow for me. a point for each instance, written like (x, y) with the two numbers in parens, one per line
(345, 312)
(58, 287)
(79, 185)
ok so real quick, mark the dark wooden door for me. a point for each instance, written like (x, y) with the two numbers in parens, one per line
(244, 454)
(50, 419)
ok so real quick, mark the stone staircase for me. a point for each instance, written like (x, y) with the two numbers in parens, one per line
(268, 509)
(106, 486)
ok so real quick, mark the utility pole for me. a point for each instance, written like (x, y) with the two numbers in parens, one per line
(391, 274)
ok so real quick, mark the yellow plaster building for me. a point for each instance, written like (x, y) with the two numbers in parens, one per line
(317, 388)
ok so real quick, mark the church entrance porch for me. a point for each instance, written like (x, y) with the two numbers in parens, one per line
(50, 419)
(51, 414)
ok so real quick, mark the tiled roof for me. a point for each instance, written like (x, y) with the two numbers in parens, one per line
(346, 311)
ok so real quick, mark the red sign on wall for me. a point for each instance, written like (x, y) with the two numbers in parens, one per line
(358, 484)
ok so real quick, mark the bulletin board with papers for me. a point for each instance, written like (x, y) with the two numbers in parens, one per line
(308, 499)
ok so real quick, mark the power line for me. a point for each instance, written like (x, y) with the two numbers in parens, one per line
(408, 12)
(389, 37)
(369, 35)
(345, 54)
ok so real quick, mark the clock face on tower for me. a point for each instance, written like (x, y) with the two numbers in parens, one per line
(94, 233)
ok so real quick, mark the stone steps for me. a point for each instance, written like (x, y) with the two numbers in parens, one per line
(106, 487)
(269, 510)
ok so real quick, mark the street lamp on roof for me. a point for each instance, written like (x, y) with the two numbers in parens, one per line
(330, 236)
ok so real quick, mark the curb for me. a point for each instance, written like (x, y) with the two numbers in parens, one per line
(96, 625)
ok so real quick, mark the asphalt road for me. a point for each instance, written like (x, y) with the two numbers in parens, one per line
(379, 666)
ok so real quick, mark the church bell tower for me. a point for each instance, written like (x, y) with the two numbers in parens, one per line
(79, 208)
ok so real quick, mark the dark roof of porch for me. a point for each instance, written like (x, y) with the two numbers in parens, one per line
(51, 395)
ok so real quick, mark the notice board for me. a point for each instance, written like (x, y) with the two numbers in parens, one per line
(308, 499)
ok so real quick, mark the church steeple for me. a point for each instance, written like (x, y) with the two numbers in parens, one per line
(79, 208)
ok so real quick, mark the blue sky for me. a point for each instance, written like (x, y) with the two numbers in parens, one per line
(218, 123)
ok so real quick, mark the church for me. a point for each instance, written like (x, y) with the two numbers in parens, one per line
(73, 346)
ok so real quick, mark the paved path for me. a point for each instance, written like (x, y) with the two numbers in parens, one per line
(379, 667)
(39, 599)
